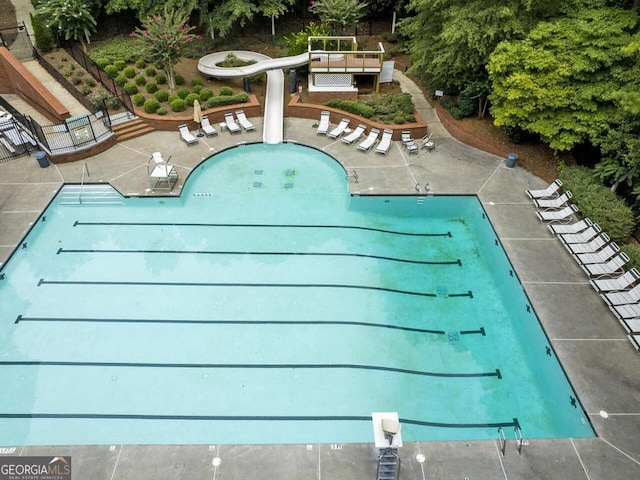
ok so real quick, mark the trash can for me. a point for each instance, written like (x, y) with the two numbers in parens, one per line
(43, 161)
(246, 84)
(512, 158)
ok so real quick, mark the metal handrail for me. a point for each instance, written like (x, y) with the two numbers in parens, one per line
(502, 438)
(85, 168)
(520, 441)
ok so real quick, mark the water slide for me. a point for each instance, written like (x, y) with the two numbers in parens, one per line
(274, 103)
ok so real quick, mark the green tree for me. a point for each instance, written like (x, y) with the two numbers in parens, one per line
(274, 9)
(561, 81)
(222, 15)
(144, 8)
(338, 15)
(71, 18)
(162, 39)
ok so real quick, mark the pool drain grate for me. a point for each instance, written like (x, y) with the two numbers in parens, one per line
(454, 336)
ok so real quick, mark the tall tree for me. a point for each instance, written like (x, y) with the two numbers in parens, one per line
(274, 9)
(338, 15)
(562, 80)
(71, 18)
(222, 15)
(144, 8)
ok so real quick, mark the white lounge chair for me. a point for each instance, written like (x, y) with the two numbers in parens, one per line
(427, 143)
(232, 126)
(370, 141)
(160, 171)
(600, 256)
(618, 284)
(207, 128)
(607, 269)
(385, 144)
(405, 137)
(626, 312)
(355, 135)
(412, 147)
(243, 121)
(323, 127)
(558, 216)
(631, 325)
(186, 135)
(582, 237)
(592, 246)
(339, 130)
(576, 227)
(7, 145)
(549, 192)
(553, 203)
(635, 341)
(622, 298)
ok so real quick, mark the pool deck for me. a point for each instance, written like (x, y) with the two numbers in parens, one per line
(602, 365)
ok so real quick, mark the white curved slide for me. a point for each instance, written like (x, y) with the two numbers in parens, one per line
(272, 131)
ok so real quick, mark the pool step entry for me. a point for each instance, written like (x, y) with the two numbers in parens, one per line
(520, 440)
(91, 194)
(388, 464)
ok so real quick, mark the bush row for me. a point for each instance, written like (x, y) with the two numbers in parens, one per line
(179, 103)
(599, 203)
(393, 108)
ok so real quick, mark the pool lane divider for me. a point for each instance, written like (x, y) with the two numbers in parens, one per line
(42, 281)
(251, 366)
(258, 225)
(254, 418)
(310, 254)
(20, 319)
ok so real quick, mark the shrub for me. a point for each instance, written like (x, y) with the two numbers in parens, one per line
(466, 104)
(69, 70)
(151, 87)
(102, 62)
(85, 89)
(391, 37)
(129, 72)
(120, 47)
(130, 88)
(225, 91)
(120, 64)
(398, 119)
(140, 80)
(112, 101)
(161, 79)
(161, 111)
(357, 108)
(172, 97)
(598, 202)
(111, 70)
(179, 80)
(91, 82)
(121, 80)
(151, 105)
(141, 63)
(224, 100)
(197, 88)
(192, 97)
(197, 81)
(178, 105)
(150, 71)
(42, 33)
(161, 95)
(138, 99)
(182, 93)
(205, 94)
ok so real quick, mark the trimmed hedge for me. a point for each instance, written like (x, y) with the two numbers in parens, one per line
(599, 203)
(178, 105)
(192, 97)
(224, 100)
(161, 79)
(205, 94)
(130, 88)
(182, 93)
(121, 80)
(162, 96)
(140, 80)
(111, 70)
(151, 87)
(151, 105)
(129, 72)
(138, 99)
(357, 108)
(226, 91)
(179, 79)
(150, 71)
(633, 251)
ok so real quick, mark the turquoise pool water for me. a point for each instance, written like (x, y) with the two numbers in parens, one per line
(267, 305)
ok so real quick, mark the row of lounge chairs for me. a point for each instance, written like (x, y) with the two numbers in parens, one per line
(205, 126)
(598, 256)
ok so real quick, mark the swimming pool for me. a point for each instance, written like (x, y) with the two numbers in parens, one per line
(266, 305)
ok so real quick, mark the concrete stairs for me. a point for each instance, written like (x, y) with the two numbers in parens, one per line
(131, 129)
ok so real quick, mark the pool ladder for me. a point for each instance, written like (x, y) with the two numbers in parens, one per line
(520, 441)
(388, 464)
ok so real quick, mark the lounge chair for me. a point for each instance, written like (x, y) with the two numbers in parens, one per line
(405, 137)
(576, 227)
(549, 192)
(232, 126)
(622, 298)
(618, 284)
(355, 135)
(553, 203)
(607, 269)
(339, 130)
(582, 237)
(626, 312)
(207, 128)
(370, 141)
(427, 143)
(385, 144)
(186, 135)
(632, 325)
(243, 121)
(635, 341)
(412, 147)
(592, 246)
(558, 216)
(601, 256)
(323, 127)
(160, 171)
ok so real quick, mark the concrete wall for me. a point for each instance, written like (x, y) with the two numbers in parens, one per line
(16, 79)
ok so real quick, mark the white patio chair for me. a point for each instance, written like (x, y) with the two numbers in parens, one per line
(160, 171)
(549, 192)
(339, 130)
(576, 227)
(355, 135)
(623, 282)
(385, 144)
(591, 246)
(558, 216)
(243, 121)
(323, 127)
(186, 135)
(207, 128)
(232, 126)
(427, 143)
(600, 256)
(622, 298)
(582, 237)
(370, 141)
(607, 269)
(553, 203)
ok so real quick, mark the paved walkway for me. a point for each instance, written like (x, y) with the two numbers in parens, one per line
(600, 362)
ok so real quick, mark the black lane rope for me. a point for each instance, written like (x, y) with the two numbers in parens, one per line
(252, 418)
(20, 319)
(245, 366)
(259, 225)
(218, 252)
(249, 285)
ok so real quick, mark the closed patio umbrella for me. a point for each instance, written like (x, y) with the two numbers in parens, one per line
(197, 116)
